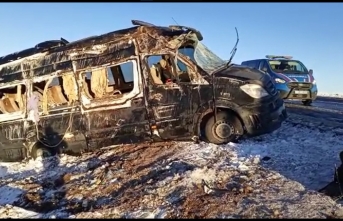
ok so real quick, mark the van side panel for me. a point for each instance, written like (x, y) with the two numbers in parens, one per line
(63, 127)
(125, 125)
(12, 135)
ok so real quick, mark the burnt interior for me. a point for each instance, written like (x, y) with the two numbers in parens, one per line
(10, 102)
(164, 69)
(56, 94)
(119, 81)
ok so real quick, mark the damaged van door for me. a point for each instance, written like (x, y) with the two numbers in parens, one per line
(55, 121)
(12, 115)
(113, 105)
(169, 100)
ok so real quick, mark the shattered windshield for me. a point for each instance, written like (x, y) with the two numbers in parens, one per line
(203, 57)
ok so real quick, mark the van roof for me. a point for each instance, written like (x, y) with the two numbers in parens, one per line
(63, 44)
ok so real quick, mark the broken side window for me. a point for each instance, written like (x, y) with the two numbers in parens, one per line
(161, 69)
(164, 70)
(109, 82)
(12, 100)
(184, 72)
(188, 51)
(56, 92)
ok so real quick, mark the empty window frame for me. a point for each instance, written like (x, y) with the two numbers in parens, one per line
(109, 82)
(164, 70)
(12, 100)
(56, 92)
(161, 69)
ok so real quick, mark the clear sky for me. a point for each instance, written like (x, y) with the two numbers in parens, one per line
(310, 32)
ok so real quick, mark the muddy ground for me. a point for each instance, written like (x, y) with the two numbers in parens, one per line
(166, 180)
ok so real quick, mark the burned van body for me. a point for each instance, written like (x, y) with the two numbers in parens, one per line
(138, 84)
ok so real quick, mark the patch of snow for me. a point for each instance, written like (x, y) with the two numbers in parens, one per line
(15, 212)
(9, 194)
(200, 174)
(48, 167)
(337, 95)
(303, 154)
(146, 214)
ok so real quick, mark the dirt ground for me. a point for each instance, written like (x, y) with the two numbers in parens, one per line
(165, 180)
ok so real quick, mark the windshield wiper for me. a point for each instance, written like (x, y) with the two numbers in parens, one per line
(233, 52)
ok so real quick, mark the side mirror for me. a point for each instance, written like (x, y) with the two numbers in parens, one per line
(310, 72)
(264, 70)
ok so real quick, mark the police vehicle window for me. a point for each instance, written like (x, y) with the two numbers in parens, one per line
(255, 64)
(297, 66)
(249, 64)
(113, 81)
(263, 65)
(246, 63)
(287, 66)
(12, 99)
(161, 69)
(58, 92)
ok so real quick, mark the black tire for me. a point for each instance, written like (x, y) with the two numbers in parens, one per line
(307, 102)
(226, 129)
(40, 150)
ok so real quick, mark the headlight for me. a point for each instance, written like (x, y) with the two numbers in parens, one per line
(314, 82)
(279, 80)
(254, 90)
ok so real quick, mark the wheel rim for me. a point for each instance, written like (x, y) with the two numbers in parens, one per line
(41, 152)
(223, 130)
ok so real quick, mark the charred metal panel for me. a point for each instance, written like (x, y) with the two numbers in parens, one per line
(171, 109)
(11, 73)
(228, 88)
(102, 49)
(62, 66)
(241, 72)
(147, 43)
(50, 63)
(12, 130)
(43, 64)
(115, 54)
(101, 39)
(162, 112)
(62, 61)
(12, 135)
(201, 103)
(127, 125)
(57, 123)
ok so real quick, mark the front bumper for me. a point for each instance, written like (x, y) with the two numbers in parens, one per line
(260, 121)
(298, 90)
(310, 95)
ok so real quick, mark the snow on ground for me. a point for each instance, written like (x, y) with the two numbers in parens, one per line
(323, 94)
(274, 175)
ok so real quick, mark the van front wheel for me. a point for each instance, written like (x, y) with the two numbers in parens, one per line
(307, 102)
(40, 150)
(223, 130)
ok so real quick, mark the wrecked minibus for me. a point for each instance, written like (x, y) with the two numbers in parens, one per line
(143, 83)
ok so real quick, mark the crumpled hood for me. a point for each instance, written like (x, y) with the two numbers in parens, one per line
(295, 77)
(243, 73)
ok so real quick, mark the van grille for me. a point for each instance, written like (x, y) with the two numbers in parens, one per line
(299, 85)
